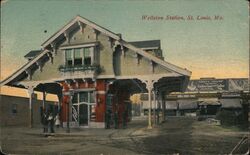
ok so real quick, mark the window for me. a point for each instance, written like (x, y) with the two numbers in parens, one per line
(87, 56)
(84, 96)
(79, 56)
(14, 109)
(68, 57)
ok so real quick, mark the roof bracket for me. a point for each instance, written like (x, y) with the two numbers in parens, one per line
(152, 64)
(76, 83)
(111, 40)
(123, 50)
(68, 83)
(29, 72)
(66, 35)
(96, 33)
(53, 46)
(40, 65)
(50, 57)
(138, 56)
(82, 26)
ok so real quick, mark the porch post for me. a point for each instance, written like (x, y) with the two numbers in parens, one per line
(44, 99)
(149, 85)
(163, 106)
(59, 96)
(31, 93)
(154, 107)
(150, 107)
(158, 108)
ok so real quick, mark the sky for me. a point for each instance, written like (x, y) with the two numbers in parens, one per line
(208, 48)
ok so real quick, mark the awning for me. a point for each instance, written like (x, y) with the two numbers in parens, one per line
(231, 103)
(210, 103)
(208, 99)
(188, 104)
(171, 105)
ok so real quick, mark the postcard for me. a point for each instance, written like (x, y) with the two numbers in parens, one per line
(125, 77)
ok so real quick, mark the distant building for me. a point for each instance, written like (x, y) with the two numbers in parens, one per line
(206, 95)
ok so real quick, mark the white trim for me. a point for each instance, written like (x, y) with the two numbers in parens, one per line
(150, 48)
(84, 90)
(23, 68)
(106, 76)
(149, 76)
(78, 19)
(78, 46)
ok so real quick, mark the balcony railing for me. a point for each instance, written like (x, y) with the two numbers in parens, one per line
(83, 68)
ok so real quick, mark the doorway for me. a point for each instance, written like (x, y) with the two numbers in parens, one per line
(83, 107)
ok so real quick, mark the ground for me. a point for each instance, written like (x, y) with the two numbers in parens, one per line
(178, 135)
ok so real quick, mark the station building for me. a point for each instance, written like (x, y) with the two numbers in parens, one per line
(94, 71)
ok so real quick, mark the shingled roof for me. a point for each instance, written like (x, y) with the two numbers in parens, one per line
(147, 44)
(32, 54)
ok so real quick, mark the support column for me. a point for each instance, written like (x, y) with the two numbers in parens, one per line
(149, 86)
(60, 98)
(44, 99)
(163, 107)
(154, 107)
(158, 110)
(31, 94)
(150, 108)
(70, 94)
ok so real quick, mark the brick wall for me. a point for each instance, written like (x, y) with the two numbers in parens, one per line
(14, 111)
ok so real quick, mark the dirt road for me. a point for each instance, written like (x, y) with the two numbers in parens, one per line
(177, 135)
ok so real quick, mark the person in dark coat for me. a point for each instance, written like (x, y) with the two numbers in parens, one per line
(44, 121)
(51, 121)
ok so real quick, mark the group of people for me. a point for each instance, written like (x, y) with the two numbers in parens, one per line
(49, 119)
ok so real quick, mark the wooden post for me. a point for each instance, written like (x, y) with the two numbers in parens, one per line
(31, 93)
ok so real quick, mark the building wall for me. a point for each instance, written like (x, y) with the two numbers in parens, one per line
(128, 65)
(124, 65)
(50, 70)
(99, 87)
(104, 52)
(21, 117)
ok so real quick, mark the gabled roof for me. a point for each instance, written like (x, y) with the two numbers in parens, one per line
(147, 44)
(116, 37)
(84, 21)
(105, 31)
(32, 54)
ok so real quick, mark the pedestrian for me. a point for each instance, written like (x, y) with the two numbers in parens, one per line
(51, 122)
(44, 121)
(57, 121)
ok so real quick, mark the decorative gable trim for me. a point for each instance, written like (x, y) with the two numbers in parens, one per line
(114, 39)
(79, 45)
(78, 19)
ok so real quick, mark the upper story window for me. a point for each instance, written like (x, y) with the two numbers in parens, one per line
(79, 56)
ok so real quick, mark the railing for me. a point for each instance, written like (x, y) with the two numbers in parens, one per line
(66, 68)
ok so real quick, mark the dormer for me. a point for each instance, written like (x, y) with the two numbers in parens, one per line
(29, 56)
(151, 46)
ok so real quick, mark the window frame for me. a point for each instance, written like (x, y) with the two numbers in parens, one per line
(91, 55)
